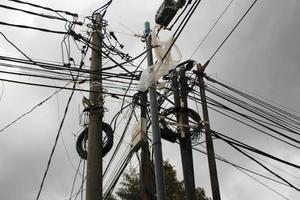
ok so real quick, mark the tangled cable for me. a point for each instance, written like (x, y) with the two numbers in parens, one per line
(168, 134)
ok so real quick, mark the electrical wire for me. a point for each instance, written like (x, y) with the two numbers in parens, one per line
(230, 33)
(234, 142)
(118, 145)
(211, 29)
(64, 88)
(34, 28)
(46, 8)
(37, 14)
(55, 143)
(31, 110)
(74, 180)
(237, 166)
(234, 145)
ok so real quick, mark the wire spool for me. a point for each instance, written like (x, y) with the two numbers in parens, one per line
(83, 137)
(169, 123)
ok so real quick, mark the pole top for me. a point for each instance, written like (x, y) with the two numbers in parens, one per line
(147, 27)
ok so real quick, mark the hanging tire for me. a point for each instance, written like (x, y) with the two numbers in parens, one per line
(83, 137)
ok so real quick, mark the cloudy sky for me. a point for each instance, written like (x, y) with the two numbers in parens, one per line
(260, 57)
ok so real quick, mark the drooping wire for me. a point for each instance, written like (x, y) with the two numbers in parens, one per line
(64, 88)
(37, 14)
(211, 29)
(235, 142)
(233, 29)
(45, 8)
(31, 110)
(34, 28)
(74, 180)
(118, 145)
(234, 145)
(55, 144)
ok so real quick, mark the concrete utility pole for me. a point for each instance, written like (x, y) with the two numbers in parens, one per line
(146, 172)
(158, 158)
(94, 157)
(209, 142)
(180, 92)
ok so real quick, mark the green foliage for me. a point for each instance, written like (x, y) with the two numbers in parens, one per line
(130, 186)
(200, 194)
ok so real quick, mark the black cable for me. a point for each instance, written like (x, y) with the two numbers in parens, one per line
(37, 76)
(211, 29)
(250, 157)
(118, 145)
(219, 158)
(31, 110)
(279, 119)
(272, 117)
(118, 175)
(55, 143)
(250, 148)
(102, 9)
(262, 131)
(17, 48)
(34, 13)
(46, 8)
(34, 28)
(54, 73)
(262, 103)
(74, 180)
(178, 17)
(64, 88)
(255, 111)
(129, 85)
(241, 19)
(52, 68)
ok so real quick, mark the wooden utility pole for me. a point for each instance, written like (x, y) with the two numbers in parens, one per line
(209, 142)
(180, 91)
(156, 142)
(94, 157)
(146, 172)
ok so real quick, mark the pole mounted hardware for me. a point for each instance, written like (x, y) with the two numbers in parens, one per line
(167, 11)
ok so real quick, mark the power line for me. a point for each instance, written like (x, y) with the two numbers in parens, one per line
(55, 143)
(234, 142)
(37, 14)
(211, 29)
(31, 110)
(237, 166)
(64, 88)
(34, 28)
(278, 176)
(45, 8)
(241, 19)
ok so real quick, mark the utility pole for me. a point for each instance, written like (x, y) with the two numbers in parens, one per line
(180, 92)
(156, 142)
(146, 172)
(209, 142)
(94, 157)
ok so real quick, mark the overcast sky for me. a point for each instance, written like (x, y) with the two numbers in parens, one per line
(260, 57)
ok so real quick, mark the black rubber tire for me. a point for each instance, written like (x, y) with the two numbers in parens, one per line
(81, 140)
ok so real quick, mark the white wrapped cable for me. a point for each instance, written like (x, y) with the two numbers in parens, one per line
(161, 67)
